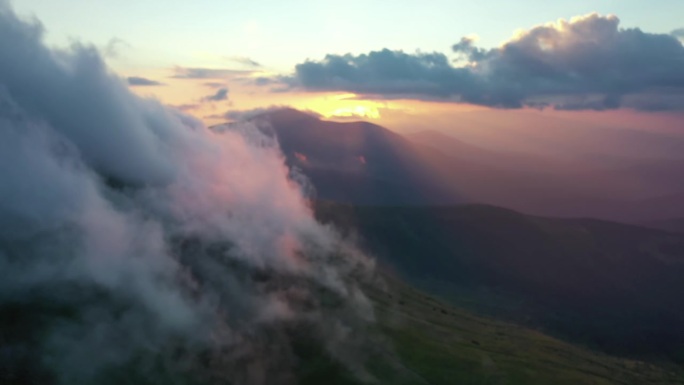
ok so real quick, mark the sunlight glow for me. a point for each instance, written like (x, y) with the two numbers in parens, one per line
(347, 106)
(357, 111)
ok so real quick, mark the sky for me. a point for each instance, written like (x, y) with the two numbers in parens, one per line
(265, 53)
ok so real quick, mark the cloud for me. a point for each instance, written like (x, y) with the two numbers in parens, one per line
(559, 64)
(382, 72)
(466, 47)
(207, 73)
(221, 94)
(678, 33)
(137, 81)
(264, 81)
(601, 103)
(245, 61)
(150, 247)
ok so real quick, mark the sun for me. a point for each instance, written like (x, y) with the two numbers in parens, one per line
(366, 112)
(345, 106)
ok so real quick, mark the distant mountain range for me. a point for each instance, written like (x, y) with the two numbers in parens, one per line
(363, 163)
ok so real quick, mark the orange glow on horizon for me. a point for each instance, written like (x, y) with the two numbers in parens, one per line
(190, 95)
(401, 115)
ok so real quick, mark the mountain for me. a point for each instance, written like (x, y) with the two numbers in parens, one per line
(663, 208)
(674, 224)
(363, 163)
(636, 186)
(358, 162)
(608, 285)
(438, 343)
(458, 149)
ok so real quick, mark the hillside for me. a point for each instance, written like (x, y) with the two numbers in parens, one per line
(428, 341)
(459, 149)
(441, 344)
(675, 225)
(607, 285)
(363, 163)
(358, 162)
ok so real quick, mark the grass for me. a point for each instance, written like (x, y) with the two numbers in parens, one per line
(440, 344)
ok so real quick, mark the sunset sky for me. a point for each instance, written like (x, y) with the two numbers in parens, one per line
(396, 63)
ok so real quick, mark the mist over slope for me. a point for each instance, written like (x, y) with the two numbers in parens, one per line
(136, 245)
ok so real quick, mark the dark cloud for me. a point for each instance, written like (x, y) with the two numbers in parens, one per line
(245, 61)
(264, 81)
(466, 47)
(600, 103)
(382, 72)
(207, 73)
(588, 57)
(137, 81)
(221, 94)
(277, 83)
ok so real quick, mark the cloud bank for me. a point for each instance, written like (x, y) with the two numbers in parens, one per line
(137, 246)
(588, 62)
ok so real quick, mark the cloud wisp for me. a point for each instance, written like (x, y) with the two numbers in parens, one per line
(137, 81)
(207, 73)
(149, 247)
(587, 62)
(245, 61)
(220, 95)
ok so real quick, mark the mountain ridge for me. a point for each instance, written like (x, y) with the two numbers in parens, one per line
(364, 163)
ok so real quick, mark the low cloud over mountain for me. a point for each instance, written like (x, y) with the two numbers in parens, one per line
(148, 245)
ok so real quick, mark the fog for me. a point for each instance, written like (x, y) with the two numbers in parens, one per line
(134, 241)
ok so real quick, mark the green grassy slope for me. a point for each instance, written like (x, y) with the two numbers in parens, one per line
(441, 344)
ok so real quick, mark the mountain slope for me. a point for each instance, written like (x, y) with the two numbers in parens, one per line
(357, 161)
(458, 149)
(441, 344)
(608, 285)
(675, 225)
(363, 163)
(628, 181)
